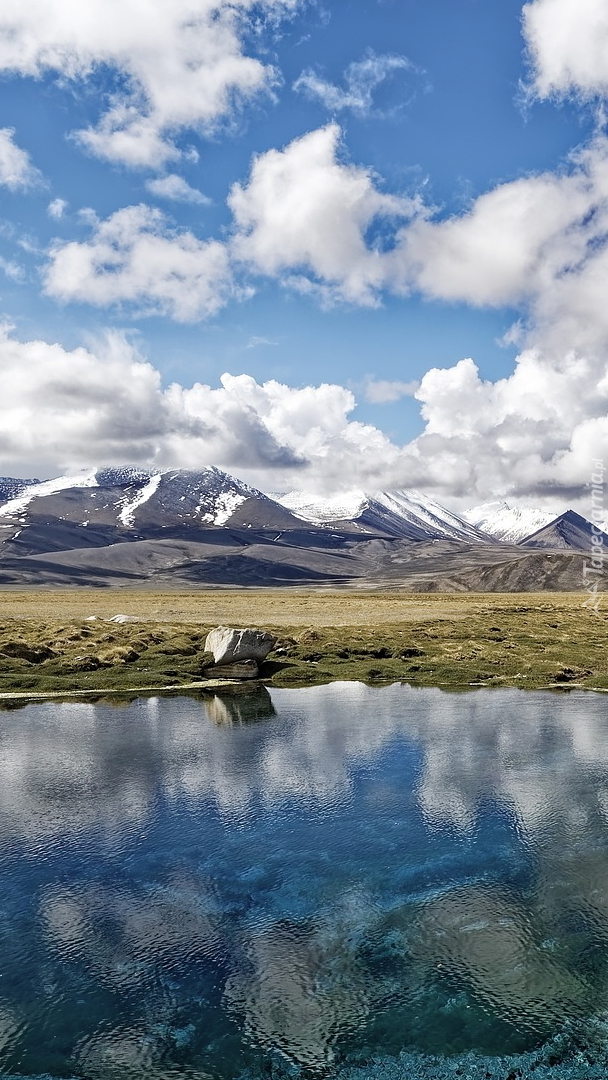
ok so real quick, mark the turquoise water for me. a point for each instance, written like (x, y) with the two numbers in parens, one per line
(333, 881)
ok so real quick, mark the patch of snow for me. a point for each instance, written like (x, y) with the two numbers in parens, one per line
(225, 505)
(123, 619)
(508, 523)
(47, 487)
(127, 514)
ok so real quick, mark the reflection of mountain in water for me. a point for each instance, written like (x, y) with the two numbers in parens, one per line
(362, 852)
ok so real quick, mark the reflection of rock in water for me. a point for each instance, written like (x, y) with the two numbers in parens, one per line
(295, 996)
(240, 705)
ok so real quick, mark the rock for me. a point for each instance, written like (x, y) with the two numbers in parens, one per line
(229, 645)
(242, 669)
(84, 663)
(21, 650)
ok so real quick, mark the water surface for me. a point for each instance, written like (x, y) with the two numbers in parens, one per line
(335, 880)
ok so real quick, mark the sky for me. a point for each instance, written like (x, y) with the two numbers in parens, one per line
(320, 245)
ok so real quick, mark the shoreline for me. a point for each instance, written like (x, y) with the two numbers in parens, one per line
(65, 696)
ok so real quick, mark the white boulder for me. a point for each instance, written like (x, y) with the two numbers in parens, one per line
(229, 645)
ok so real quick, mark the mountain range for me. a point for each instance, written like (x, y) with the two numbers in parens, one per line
(181, 528)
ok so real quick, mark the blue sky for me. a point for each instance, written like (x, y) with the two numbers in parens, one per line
(385, 219)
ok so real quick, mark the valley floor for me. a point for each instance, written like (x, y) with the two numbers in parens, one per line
(50, 643)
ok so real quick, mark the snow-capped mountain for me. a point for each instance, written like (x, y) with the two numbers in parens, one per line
(126, 526)
(136, 499)
(507, 523)
(407, 514)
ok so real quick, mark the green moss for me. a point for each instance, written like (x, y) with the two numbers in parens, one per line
(528, 645)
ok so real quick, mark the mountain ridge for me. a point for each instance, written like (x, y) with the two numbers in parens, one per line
(190, 527)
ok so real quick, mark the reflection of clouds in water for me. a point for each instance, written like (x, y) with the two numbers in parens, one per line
(529, 751)
(66, 769)
(293, 987)
(295, 993)
(9, 1027)
(118, 1053)
(121, 935)
(62, 772)
(69, 768)
(298, 984)
(484, 936)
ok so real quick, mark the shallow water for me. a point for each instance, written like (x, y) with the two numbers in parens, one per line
(335, 880)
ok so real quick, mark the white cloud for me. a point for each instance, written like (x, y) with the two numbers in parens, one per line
(536, 433)
(176, 188)
(178, 65)
(383, 391)
(65, 410)
(133, 257)
(16, 170)
(538, 243)
(568, 46)
(56, 209)
(304, 210)
(533, 434)
(361, 78)
(11, 269)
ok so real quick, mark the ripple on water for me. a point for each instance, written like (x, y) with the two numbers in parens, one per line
(337, 881)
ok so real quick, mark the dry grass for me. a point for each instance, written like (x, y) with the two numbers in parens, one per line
(263, 607)
(450, 640)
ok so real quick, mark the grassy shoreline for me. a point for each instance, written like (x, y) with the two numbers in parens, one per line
(50, 645)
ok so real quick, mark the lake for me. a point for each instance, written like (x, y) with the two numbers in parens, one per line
(333, 881)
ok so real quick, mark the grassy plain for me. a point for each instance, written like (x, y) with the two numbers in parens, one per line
(452, 641)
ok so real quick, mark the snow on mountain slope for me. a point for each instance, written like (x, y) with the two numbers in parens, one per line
(127, 514)
(397, 513)
(135, 499)
(17, 505)
(416, 507)
(322, 510)
(507, 523)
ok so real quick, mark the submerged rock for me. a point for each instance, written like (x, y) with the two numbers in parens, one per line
(229, 646)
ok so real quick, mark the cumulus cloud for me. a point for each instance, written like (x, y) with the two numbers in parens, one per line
(106, 406)
(361, 79)
(134, 257)
(303, 210)
(16, 170)
(176, 188)
(568, 45)
(537, 244)
(178, 65)
(535, 433)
